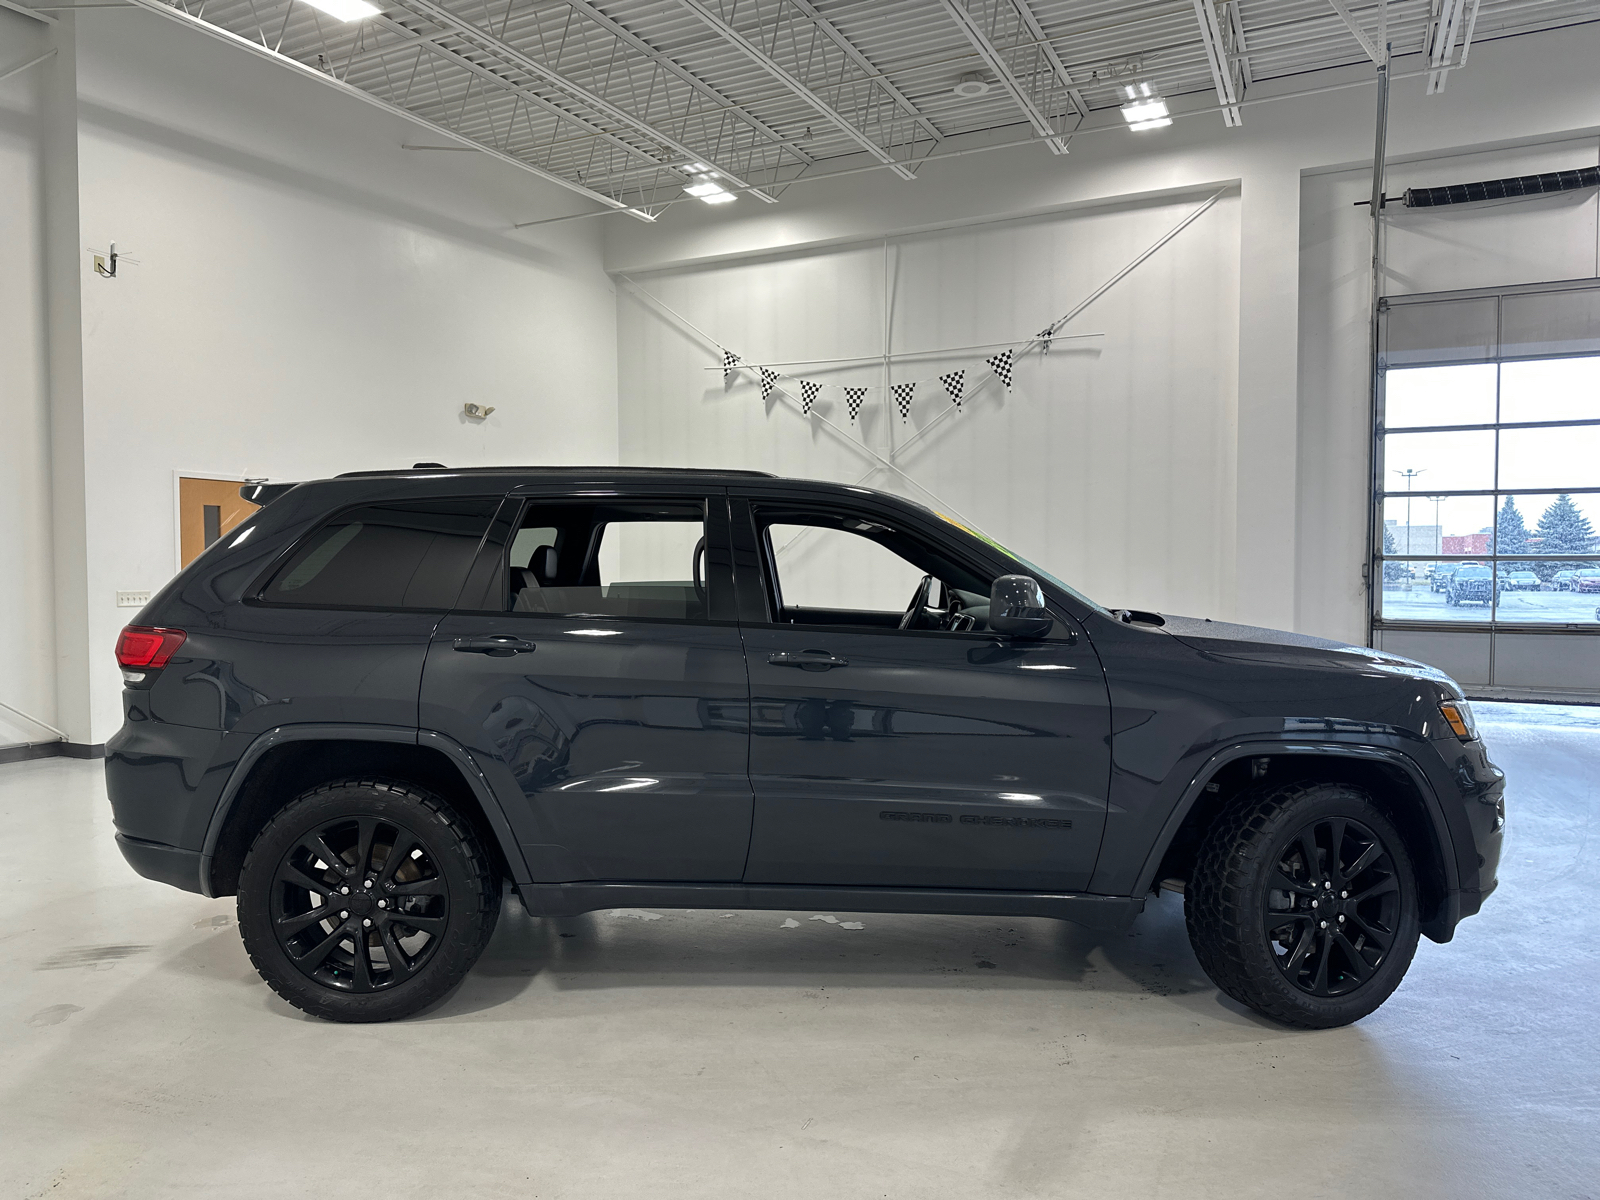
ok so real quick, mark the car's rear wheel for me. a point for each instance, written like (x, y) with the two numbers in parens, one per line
(366, 900)
(1303, 904)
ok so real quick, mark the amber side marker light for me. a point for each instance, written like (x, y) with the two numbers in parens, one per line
(144, 647)
(1458, 715)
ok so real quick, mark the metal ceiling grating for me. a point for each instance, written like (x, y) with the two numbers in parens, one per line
(614, 99)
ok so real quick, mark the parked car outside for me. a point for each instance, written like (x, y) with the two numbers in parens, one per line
(1471, 585)
(1563, 580)
(1520, 581)
(385, 696)
(1586, 580)
(1440, 579)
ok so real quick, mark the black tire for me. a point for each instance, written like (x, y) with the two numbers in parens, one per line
(389, 967)
(1271, 948)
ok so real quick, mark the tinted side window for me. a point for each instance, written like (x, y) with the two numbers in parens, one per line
(412, 554)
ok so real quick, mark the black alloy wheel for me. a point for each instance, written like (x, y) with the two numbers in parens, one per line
(358, 904)
(1332, 907)
(1303, 903)
(366, 900)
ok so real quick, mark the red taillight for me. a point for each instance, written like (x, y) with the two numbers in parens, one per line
(146, 647)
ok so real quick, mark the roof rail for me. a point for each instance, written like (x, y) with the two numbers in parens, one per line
(538, 470)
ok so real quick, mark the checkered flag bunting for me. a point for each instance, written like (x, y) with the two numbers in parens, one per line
(1000, 364)
(768, 379)
(955, 383)
(730, 367)
(904, 393)
(853, 396)
(808, 395)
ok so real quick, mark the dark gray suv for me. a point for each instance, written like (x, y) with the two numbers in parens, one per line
(387, 695)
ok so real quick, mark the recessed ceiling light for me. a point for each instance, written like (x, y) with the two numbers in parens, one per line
(971, 86)
(346, 10)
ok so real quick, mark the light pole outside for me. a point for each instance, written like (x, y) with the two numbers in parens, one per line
(1408, 475)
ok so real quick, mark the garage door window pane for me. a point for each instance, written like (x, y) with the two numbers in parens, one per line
(1424, 524)
(1444, 461)
(1566, 457)
(1441, 331)
(1554, 389)
(1446, 590)
(1461, 395)
(1562, 322)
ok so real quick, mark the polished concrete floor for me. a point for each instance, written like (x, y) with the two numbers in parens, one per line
(699, 1054)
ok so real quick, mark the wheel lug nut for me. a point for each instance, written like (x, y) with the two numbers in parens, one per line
(1341, 918)
(1313, 904)
(367, 921)
(367, 884)
(1324, 924)
(344, 891)
(344, 916)
(385, 904)
(1344, 895)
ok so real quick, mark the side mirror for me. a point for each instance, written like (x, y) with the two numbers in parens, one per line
(1016, 608)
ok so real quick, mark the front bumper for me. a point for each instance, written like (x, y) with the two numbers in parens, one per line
(1481, 787)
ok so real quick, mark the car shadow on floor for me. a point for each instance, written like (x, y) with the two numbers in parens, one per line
(637, 948)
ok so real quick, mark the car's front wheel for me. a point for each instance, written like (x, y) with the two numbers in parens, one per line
(1303, 904)
(366, 900)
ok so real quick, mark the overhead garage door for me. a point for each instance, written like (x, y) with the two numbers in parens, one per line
(1487, 487)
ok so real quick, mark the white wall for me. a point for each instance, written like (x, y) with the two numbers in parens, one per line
(302, 297)
(1111, 461)
(27, 662)
(1297, 487)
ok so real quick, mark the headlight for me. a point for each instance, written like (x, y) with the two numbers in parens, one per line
(1458, 715)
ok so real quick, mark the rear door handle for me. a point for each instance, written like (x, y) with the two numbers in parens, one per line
(806, 660)
(498, 645)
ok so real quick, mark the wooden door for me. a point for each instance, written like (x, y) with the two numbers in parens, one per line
(207, 509)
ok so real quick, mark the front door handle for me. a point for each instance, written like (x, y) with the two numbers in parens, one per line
(806, 660)
(498, 645)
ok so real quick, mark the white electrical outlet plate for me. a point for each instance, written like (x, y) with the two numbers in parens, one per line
(132, 599)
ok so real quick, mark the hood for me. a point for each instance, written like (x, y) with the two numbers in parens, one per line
(1254, 641)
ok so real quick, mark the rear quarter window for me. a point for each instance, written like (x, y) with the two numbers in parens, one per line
(411, 554)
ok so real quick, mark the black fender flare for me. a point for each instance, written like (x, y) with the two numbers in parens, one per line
(1267, 747)
(472, 775)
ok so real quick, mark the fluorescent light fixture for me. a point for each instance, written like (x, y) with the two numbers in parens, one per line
(704, 186)
(346, 10)
(1146, 112)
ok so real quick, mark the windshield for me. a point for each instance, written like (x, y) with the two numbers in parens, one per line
(1034, 569)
